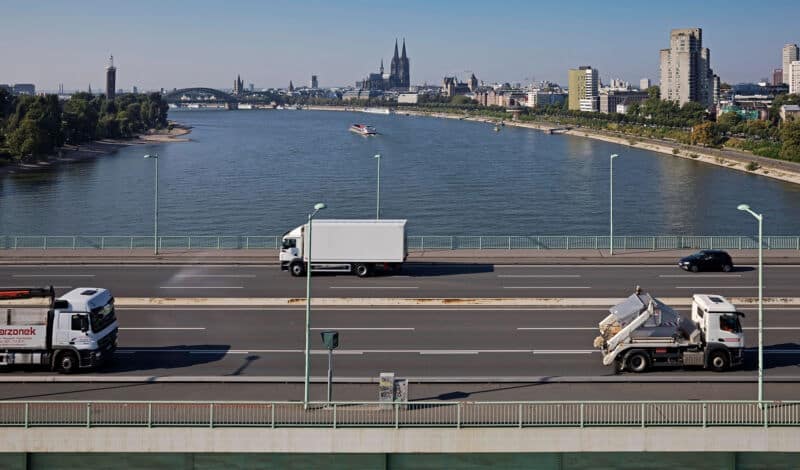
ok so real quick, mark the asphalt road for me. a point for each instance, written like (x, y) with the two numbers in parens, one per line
(416, 281)
(476, 344)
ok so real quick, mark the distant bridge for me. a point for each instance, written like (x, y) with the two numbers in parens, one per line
(199, 94)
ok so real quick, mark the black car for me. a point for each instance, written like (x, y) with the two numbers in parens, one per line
(707, 260)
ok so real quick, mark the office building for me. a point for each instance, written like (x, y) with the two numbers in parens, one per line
(644, 84)
(777, 77)
(790, 53)
(314, 82)
(24, 89)
(111, 79)
(794, 77)
(542, 98)
(584, 86)
(686, 73)
(609, 100)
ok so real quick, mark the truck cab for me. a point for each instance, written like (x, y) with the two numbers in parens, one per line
(84, 322)
(720, 323)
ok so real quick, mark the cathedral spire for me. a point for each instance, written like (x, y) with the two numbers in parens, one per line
(404, 48)
(381, 65)
(396, 55)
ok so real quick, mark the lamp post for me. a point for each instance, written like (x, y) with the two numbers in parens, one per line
(155, 211)
(317, 207)
(611, 205)
(760, 218)
(378, 191)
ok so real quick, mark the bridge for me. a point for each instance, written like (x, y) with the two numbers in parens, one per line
(201, 96)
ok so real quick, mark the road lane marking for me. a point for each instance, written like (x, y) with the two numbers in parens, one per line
(564, 351)
(367, 329)
(546, 276)
(201, 287)
(700, 276)
(555, 328)
(52, 275)
(215, 275)
(373, 287)
(441, 353)
(17, 287)
(716, 287)
(161, 328)
(546, 287)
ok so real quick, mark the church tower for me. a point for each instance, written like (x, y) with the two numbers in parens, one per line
(111, 79)
(405, 70)
(395, 73)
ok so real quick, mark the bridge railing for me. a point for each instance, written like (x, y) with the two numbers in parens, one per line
(414, 242)
(400, 414)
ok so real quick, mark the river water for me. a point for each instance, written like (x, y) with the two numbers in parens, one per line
(260, 173)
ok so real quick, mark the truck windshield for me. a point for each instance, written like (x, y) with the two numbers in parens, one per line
(289, 243)
(730, 323)
(101, 317)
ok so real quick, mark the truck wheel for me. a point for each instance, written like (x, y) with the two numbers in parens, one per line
(67, 363)
(297, 269)
(718, 361)
(637, 362)
(361, 270)
(727, 268)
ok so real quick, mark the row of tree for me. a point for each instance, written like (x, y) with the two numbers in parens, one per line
(33, 126)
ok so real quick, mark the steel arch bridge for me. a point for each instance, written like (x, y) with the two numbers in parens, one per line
(219, 96)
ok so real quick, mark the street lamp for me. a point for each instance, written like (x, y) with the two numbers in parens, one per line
(611, 205)
(378, 192)
(155, 212)
(317, 207)
(760, 218)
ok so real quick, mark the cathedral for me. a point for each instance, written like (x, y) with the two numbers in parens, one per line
(399, 76)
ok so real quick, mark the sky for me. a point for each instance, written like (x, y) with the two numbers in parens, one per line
(181, 43)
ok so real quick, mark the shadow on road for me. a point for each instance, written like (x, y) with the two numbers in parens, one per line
(133, 359)
(432, 270)
(461, 395)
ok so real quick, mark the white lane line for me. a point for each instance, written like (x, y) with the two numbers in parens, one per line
(544, 276)
(17, 287)
(447, 353)
(555, 328)
(52, 275)
(215, 275)
(162, 328)
(546, 287)
(564, 351)
(716, 287)
(201, 287)
(585, 265)
(454, 308)
(366, 329)
(355, 352)
(700, 276)
(373, 287)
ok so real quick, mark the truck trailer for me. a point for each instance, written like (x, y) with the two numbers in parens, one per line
(346, 246)
(75, 331)
(642, 332)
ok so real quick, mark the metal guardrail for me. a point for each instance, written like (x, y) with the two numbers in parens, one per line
(415, 242)
(400, 415)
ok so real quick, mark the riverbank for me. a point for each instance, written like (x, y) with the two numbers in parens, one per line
(731, 159)
(98, 148)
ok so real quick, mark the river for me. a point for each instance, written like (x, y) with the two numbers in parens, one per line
(260, 172)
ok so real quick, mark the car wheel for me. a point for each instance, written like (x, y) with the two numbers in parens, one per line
(694, 268)
(726, 268)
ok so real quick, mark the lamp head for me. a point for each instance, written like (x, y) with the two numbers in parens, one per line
(614, 155)
(743, 207)
(151, 156)
(319, 206)
(377, 156)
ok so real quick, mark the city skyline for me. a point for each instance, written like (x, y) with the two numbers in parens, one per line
(269, 45)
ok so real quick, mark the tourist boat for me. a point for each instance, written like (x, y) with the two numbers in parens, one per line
(363, 129)
(377, 110)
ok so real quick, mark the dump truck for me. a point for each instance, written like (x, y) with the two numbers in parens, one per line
(642, 332)
(345, 246)
(77, 330)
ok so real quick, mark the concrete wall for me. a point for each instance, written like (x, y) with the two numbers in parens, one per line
(422, 440)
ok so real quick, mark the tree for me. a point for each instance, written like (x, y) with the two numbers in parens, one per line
(726, 122)
(705, 134)
(790, 141)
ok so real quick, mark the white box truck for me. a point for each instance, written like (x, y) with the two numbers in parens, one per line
(77, 330)
(642, 332)
(349, 246)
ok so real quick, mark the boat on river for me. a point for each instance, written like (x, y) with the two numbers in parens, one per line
(363, 129)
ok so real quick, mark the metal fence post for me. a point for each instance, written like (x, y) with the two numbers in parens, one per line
(520, 415)
(595, 243)
(451, 242)
(88, 414)
(705, 414)
(44, 246)
(642, 414)
(334, 416)
(740, 243)
(131, 242)
(246, 243)
(480, 243)
(27, 414)
(583, 421)
(765, 415)
(422, 243)
(15, 243)
(210, 415)
(458, 416)
(150, 414)
(102, 243)
(654, 243)
(272, 413)
(73, 243)
(189, 243)
(567, 242)
(509, 242)
(396, 416)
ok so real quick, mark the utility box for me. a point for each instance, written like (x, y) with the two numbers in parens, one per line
(330, 339)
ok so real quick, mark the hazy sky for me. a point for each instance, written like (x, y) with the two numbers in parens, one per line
(177, 43)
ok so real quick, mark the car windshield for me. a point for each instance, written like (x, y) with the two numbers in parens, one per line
(730, 323)
(101, 317)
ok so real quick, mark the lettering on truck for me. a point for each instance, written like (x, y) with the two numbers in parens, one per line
(18, 331)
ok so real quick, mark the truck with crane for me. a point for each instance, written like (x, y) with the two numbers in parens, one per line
(77, 330)
(642, 332)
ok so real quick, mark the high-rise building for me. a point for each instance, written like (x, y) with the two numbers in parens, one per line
(584, 89)
(111, 79)
(777, 77)
(314, 82)
(790, 53)
(644, 84)
(686, 73)
(794, 77)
